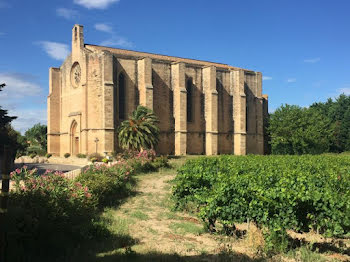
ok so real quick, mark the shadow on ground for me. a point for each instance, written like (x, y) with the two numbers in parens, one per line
(156, 257)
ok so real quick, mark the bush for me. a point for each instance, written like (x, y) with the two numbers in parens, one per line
(105, 160)
(66, 155)
(300, 193)
(46, 211)
(160, 162)
(142, 161)
(32, 155)
(81, 155)
(48, 155)
(108, 184)
(36, 150)
(96, 156)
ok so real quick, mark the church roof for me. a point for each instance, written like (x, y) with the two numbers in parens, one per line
(140, 55)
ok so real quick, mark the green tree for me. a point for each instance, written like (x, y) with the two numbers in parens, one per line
(7, 136)
(4, 118)
(297, 130)
(37, 137)
(140, 131)
(338, 112)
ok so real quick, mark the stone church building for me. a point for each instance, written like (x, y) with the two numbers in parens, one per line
(203, 107)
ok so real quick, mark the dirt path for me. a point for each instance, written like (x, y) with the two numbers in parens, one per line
(157, 228)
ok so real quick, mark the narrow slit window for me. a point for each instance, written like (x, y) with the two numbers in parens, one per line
(189, 89)
(121, 96)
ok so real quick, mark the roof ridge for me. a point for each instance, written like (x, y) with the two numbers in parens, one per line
(160, 55)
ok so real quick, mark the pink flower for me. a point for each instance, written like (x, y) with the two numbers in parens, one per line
(88, 195)
(18, 171)
(25, 167)
(86, 189)
(47, 171)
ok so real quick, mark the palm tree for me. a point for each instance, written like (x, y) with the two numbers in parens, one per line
(140, 131)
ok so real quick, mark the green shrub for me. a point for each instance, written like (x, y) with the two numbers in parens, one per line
(35, 149)
(81, 155)
(48, 155)
(32, 155)
(96, 156)
(160, 162)
(108, 184)
(141, 166)
(105, 160)
(276, 192)
(47, 211)
(66, 155)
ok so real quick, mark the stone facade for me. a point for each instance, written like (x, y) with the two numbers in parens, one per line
(203, 107)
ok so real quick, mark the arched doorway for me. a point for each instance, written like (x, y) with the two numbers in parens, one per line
(74, 138)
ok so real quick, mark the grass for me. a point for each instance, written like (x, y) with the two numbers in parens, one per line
(139, 215)
(168, 215)
(306, 255)
(186, 227)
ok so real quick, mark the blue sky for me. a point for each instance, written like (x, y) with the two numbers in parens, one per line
(301, 47)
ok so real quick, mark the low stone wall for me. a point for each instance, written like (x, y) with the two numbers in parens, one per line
(75, 161)
(29, 160)
(53, 160)
(70, 175)
(74, 173)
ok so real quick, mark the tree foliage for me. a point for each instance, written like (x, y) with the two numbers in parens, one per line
(4, 118)
(140, 131)
(338, 111)
(296, 130)
(323, 127)
(37, 136)
(8, 136)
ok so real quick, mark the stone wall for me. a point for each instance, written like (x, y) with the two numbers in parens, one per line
(227, 106)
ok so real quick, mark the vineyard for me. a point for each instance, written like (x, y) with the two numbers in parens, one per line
(277, 193)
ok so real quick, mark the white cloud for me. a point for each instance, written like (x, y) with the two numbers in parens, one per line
(18, 86)
(19, 96)
(312, 60)
(26, 118)
(104, 27)
(267, 78)
(55, 50)
(66, 13)
(117, 41)
(291, 80)
(344, 90)
(114, 40)
(97, 4)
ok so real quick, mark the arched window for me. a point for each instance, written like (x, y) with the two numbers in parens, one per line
(189, 90)
(121, 96)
